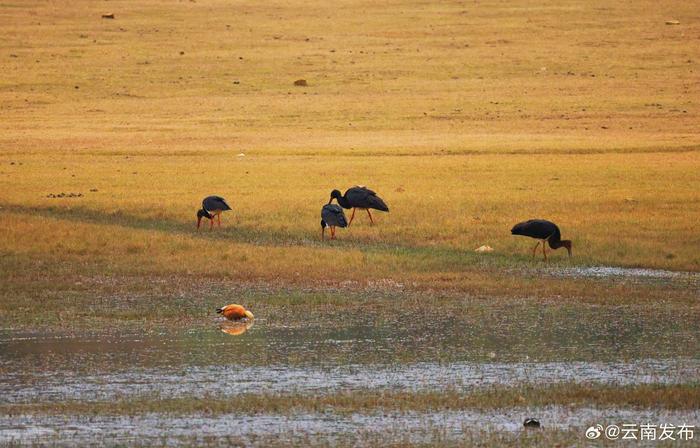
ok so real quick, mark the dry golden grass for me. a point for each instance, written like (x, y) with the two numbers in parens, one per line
(466, 118)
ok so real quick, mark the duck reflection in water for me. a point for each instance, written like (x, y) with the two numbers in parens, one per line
(235, 328)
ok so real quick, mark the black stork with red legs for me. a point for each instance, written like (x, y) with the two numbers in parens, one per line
(359, 197)
(543, 230)
(212, 207)
(332, 216)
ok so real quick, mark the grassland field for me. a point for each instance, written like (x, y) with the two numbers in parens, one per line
(465, 116)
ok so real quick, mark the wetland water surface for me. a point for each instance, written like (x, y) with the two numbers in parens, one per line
(408, 427)
(635, 274)
(509, 346)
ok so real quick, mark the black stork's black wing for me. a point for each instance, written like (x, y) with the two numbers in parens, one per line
(363, 197)
(214, 203)
(536, 228)
(333, 215)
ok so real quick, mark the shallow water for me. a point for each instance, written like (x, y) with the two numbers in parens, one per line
(329, 428)
(496, 344)
(611, 272)
(231, 380)
(206, 362)
(477, 332)
(506, 346)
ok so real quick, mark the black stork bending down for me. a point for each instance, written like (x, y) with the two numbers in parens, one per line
(543, 230)
(359, 197)
(212, 206)
(332, 216)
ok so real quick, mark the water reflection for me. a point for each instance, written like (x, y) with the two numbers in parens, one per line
(512, 333)
(235, 328)
(495, 344)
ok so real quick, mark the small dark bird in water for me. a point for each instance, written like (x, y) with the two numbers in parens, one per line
(332, 216)
(543, 230)
(359, 197)
(531, 423)
(212, 206)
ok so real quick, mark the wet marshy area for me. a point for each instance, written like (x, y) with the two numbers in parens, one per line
(438, 428)
(336, 352)
(476, 332)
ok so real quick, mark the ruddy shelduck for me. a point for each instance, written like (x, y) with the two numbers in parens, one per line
(235, 312)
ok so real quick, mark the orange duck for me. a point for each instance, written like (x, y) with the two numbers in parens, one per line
(235, 312)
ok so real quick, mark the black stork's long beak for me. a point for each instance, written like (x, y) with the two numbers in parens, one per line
(199, 221)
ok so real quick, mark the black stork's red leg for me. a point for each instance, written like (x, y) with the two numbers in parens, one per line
(352, 216)
(219, 217)
(371, 221)
(211, 223)
(544, 250)
(332, 232)
(534, 251)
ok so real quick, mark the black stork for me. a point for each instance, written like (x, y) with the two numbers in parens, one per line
(332, 216)
(359, 197)
(543, 230)
(212, 206)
